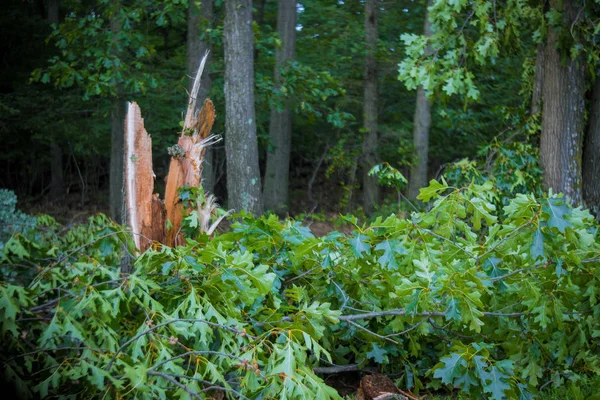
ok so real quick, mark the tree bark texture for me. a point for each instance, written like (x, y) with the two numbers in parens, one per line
(275, 194)
(117, 134)
(369, 153)
(591, 155)
(57, 183)
(200, 18)
(117, 155)
(563, 116)
(241, 147)
(538, 81)
(421, 128)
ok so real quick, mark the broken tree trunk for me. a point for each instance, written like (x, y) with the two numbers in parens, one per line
(150, 219)
(144, 211)
(186, 163)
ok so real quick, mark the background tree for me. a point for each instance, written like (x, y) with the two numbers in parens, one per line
(369, 151)
(117, 125)
(591, 154)
(421, 127)
(563, 123)
(243, 175)
(276, 183)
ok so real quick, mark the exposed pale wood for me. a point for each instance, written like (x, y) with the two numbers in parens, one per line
(186, 170)
(139, 178)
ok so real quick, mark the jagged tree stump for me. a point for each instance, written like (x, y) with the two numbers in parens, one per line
(150, 219)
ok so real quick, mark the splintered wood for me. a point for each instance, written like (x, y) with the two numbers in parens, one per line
(139, 180)
(187, 170)
(150, 219)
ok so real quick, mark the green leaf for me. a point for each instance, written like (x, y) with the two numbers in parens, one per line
(359, 245)
(377, 354)
(432, 191)
(390, 248)
(453, 310)
(557, 209)
(450, 368)
(537, 245)
(497, 385)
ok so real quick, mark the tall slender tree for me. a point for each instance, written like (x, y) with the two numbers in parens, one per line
(117, 130)
(563, 126)
(200, 19)
(538, 81)
(421, 128)
(275, 192)
(243, 174)
(591, 155)
(369, 152)
(57, 183)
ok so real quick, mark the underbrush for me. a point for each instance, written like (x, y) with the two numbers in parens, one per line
(452, 297)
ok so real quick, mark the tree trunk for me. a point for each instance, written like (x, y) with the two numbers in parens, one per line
(563, 116)
(117, 155)
(199, 20)
(591, 155)
(369, 153)
(421, 127)
(117, 134)
(57, 183)
(275, 193)
(241, 147)
(538, 82)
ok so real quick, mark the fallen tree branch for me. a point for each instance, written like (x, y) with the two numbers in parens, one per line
(152, 329)
(336, 369)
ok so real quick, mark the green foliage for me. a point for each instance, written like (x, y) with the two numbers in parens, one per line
(12, 220)
(511, 168)
(467, 35)
(450, 297)
(388, 175)
(102, 49)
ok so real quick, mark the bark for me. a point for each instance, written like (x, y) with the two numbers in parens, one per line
(275, 194)
(421, 128)
(186, 170)
(57, 183)
(200, 18)
(538, 82)
(241, 147)
(369, 152)
(117, 134)
(591, 155)
(563, 116)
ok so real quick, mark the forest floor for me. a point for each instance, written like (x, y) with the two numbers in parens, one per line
(72, 210)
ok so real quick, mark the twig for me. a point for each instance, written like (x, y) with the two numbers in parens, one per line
(336, 369)
(402, 312)
(150, 330)
(371, 332)
(195, 352)
(174, 382)
(302, 275)
(467, 252)
(396, 312)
